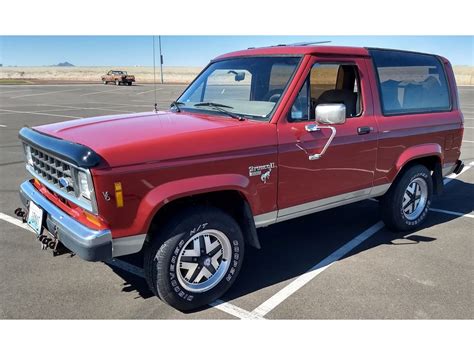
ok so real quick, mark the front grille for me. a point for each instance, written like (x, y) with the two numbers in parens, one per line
(52, 170)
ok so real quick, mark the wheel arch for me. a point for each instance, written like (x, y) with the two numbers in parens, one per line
(428, 155)
(228, 192)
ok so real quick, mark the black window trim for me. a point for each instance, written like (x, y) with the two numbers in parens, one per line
(416, 112)
(308, 77)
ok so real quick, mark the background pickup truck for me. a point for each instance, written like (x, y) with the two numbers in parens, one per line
(260, 136)
(118, 77)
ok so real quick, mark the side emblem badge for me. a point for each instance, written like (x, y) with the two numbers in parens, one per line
(263, 171)
(106, 196)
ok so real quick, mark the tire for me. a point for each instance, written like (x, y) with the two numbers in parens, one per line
(129, 83)
(117, 82)
(104, 82)
(405, 206)
(191, 232)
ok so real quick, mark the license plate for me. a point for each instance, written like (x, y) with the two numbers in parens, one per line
(35, 218)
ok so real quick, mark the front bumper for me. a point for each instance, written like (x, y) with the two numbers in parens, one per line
(89, 244)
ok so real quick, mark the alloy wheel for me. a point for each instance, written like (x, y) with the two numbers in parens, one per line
(204, 260)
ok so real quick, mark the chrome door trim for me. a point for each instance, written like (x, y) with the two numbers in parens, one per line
(269, 218)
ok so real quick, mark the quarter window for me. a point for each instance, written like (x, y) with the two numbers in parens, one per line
(410, 82)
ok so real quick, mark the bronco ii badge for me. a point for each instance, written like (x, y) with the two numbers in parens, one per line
(263, 170)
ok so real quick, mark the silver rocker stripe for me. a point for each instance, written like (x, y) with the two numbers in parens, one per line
(127, 245)
(266, 219)
(448, 169)
(263, 220)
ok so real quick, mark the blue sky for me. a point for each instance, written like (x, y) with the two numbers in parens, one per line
(198, 50)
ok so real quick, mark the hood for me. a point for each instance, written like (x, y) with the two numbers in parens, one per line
(146, 137)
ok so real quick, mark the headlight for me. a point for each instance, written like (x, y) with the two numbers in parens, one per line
(29, 157)
(84, 189)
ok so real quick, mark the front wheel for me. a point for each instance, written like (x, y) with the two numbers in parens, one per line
(406, 205)
(117, 82)
(195, 258)
(104, 82)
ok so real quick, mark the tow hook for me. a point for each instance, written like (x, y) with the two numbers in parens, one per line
(20, 212)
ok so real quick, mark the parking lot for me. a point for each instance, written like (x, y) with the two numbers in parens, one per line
(337, 264)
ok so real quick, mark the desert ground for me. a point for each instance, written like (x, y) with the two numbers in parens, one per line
(171, 75)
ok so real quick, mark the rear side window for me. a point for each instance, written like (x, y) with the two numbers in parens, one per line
(410, 82)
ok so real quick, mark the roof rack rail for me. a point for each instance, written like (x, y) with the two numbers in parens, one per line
(294, 44)
(308, 43)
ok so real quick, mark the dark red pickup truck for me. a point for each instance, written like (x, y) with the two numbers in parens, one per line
(259, 137)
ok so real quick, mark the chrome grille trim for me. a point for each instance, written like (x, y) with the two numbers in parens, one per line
(48, 169)
(52, 169)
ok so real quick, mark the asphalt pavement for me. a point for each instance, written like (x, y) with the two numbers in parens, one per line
(337, 264)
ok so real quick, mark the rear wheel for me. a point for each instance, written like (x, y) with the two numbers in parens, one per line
(406, 204)
(195, 258)
(104, 82)
(129, 83)
(117, 82)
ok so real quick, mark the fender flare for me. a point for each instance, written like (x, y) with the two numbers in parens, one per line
(173, 190)
(416, 152)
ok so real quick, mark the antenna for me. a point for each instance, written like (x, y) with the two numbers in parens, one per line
(154, 75)
(161, 60)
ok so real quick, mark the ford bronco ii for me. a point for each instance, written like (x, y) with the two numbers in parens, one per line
(259, 137)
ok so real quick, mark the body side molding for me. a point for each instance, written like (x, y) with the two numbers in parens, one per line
(269, 218)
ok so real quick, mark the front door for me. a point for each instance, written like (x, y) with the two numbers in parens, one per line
(345, 171)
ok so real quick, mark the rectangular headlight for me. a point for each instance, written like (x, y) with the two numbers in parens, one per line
(29, 157)
(84, 189)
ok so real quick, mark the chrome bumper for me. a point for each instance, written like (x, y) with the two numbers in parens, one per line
(89, 244)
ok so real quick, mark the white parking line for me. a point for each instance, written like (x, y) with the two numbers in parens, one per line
(302, 280)
(464, 141)
(453, 176)
(110, 91)
(144, 92)
(234, 310)
(115, 104)
(3, 126)
(292, 287)
(83, 108)
(43, 93)
(40, 113)
(135, 270)
(452, 213)
(15, 221)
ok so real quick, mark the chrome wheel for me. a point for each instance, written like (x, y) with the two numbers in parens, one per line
(415, 198)
(204, 260)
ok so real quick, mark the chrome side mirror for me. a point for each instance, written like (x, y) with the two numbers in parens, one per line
(331, 113)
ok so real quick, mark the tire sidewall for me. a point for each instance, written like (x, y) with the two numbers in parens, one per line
(415, 172)
(165, 262)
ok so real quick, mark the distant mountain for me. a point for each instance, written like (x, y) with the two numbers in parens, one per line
(65, 64)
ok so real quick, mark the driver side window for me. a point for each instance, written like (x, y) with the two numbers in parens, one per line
(328, 84)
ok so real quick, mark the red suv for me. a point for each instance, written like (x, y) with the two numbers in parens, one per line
(259, 137)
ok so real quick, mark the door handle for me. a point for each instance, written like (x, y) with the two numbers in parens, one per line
(364, 130)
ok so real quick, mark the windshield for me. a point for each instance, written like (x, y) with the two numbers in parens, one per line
(248, 87)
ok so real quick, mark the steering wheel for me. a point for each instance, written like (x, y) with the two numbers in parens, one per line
(273, 95)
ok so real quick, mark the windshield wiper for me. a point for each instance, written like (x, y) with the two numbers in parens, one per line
(221, 108)
(176, 105)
